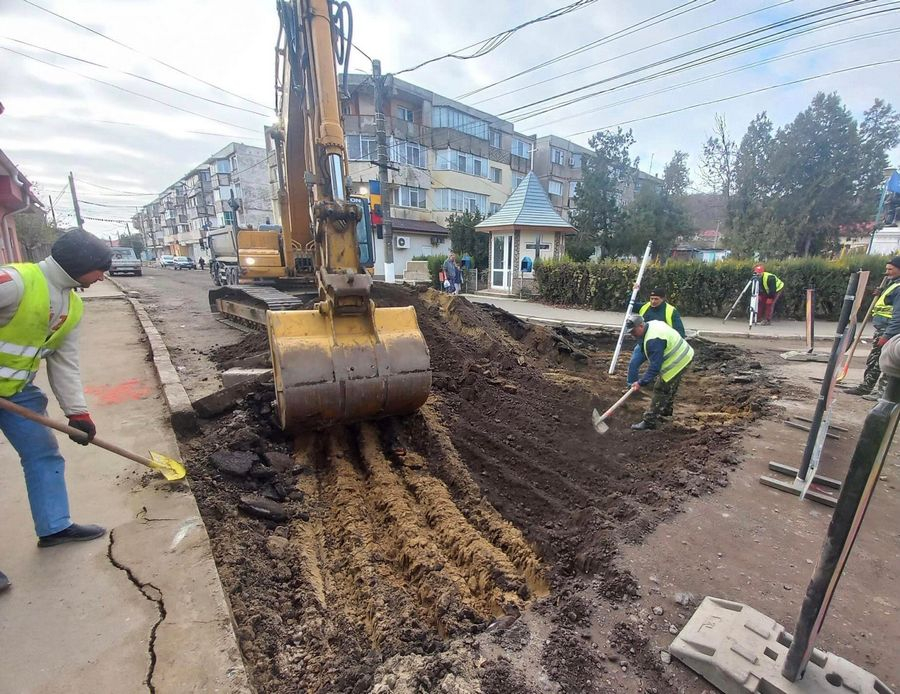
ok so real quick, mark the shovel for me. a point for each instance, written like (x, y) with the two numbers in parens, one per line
(600, 425)
(172, 470)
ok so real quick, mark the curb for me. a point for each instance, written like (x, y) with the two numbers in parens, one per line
(181, 411)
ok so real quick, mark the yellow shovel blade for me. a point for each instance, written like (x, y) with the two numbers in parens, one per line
(172, 470)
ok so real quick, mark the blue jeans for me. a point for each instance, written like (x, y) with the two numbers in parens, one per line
(41, 460)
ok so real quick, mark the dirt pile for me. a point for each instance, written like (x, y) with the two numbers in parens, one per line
(409, 541)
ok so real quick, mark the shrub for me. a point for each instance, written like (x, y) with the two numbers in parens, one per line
(704, 289)
(435, 265)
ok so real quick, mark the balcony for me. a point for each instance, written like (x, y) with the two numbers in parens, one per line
(401, 129)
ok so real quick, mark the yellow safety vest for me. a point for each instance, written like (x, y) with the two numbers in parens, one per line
(27, 338)
(882, 308)
(779, 285)
(670, 312)
(677, 354)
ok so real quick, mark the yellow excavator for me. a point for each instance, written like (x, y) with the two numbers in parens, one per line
(345, 360)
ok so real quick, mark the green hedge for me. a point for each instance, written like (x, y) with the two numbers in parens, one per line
(435, 265)
(705, 289)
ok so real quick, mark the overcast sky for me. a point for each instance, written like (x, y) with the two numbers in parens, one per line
(119, 143)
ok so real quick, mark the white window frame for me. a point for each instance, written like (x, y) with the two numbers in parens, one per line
(573, 186)
(405, 114)
(521, 148)
(453, 200)
(558, 156)
(497, 175)
(454, 160)
(493, 208)
(409, 153)
(555, 187)
(517, 180)
(496, 138)
(576, 161)
(355, 140)
(408, 196)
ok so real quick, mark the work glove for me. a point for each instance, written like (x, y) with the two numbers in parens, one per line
(83, 422)
(882, 341)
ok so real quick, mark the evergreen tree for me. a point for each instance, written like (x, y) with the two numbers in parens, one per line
(879, 132)
(464, 239)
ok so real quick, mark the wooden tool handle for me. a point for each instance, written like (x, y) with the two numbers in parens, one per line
(617, 403)
(71, 431)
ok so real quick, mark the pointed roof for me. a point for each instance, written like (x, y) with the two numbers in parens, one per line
(528, 206)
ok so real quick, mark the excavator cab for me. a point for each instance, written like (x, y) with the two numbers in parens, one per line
(345, 360)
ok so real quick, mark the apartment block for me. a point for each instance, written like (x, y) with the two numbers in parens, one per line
(557, 164)
(179, 218)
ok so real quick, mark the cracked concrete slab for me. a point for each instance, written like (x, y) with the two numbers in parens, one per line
(143, 610)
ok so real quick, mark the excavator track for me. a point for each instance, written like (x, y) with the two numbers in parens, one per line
(250, 304)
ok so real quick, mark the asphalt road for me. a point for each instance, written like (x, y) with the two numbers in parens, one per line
(177, 302)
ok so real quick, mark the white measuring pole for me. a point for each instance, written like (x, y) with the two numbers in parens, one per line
(754, 300)
(634, 293)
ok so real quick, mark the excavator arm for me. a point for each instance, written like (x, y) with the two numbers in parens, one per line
(346, 360)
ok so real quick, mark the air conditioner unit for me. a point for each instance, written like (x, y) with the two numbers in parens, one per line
(401, 241)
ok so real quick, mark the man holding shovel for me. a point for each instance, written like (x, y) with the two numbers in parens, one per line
(668, 354)
(886, 320)
(39, 316)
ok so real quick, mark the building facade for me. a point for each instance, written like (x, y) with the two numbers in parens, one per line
(16, 197)
(177, 221)
(557, 164)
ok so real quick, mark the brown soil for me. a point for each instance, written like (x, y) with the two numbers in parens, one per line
(472, 546)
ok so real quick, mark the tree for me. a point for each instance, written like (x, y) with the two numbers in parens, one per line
(598, 212)
(879, 133)
(656, 214)
(717, 163)
(815, 174)
(34, 233)
(464, 239)
(749, 228)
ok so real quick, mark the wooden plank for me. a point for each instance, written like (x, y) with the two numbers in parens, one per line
(805, 427)
(830, 426)
(792, 472)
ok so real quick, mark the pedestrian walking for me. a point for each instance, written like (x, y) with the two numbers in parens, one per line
(669, 355)
(202, 263)
(770, 291)
(886, 321)
(39, 317)
(452, 274)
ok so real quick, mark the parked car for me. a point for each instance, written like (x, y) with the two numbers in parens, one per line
(166, 260)
(183, 263)
(125, 262)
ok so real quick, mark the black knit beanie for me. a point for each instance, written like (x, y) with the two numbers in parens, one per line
(79, 253)
(895, 262)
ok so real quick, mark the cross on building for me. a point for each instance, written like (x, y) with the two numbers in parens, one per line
(537, 247)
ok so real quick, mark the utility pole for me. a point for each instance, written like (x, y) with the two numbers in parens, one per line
(78, 220)
(381, 135)
(52, 211)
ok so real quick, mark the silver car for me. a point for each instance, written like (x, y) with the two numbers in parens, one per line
(125, 262)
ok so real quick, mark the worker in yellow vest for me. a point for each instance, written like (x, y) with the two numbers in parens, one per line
(886, 321)
(668, 354)
(39, 317)
(770, 290)
(657, 308)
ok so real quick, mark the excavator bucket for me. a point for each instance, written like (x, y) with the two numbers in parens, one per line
(337, 369)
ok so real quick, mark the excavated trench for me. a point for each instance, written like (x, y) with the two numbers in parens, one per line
(376, 557)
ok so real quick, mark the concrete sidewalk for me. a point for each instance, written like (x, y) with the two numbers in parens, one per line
(705, 327)
(143, 609)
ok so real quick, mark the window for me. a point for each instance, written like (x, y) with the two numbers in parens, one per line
(576, 161)
(520, 148)
(558, 156)
(517, 180)
(411, 153)
(362, 147)
(496, 175)
(459, 200)
(496, 136)
(452, 160)
(555, 187)
(404, 113)
(233, 162)
(227, 218)
(447, 117)
(204, 176)
(406, 196)
(223, 166)
(573, 189)
(494, 207)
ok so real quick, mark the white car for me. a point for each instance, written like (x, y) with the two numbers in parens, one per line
(167, 261)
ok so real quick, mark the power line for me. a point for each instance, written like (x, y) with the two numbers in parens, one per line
(491, 43)
(738, 96)
(128, 91)
(619, 56)
(753, 44)
(699, 80)
(146, 55)
(136, 76)
(621, 33)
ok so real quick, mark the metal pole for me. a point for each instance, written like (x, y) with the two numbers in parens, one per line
(856, 493)
(78, 220)
(383, 159)
(754, 301)
(737, 301)
(810, 319)
(634, 293)
(824, 391)
(52, 211)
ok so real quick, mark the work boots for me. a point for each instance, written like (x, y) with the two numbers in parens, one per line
(643, 425)
(74, 533)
